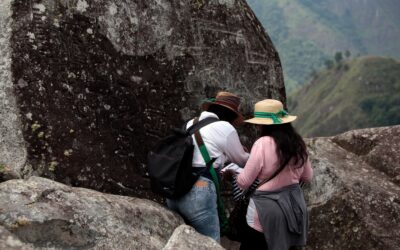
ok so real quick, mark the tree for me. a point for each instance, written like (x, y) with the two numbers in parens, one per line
(313, 73)
(338, 57)
(328, 64)
(347, 54)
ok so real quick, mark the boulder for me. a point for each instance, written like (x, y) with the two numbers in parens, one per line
(47, 214)
(354, 202)
(88, 86)
(379, 147)
(9, 242)
(185, 237)
(13, 152)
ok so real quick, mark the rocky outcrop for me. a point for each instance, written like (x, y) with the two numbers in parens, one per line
(9, 242)
(13, 151)
(185, 237)
(354, 204)
(378, 147)
(47, 214)
(354, 201)
(88, 86)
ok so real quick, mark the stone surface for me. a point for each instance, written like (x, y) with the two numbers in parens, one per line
(354, 203)
(379, 147)
(98, 82)
(13, 151)
(50, 215)
(10, 242)
(185, 237)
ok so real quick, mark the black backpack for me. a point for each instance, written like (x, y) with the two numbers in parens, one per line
(170, 163)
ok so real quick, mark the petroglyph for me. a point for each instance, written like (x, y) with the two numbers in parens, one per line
(97, 83)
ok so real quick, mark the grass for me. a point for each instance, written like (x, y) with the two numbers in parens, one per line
(2, 168)
(336, 100)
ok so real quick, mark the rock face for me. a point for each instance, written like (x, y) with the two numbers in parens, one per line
(93, 84)
(13, 151)
(10, 242)
(354, 198)
(44, 213)
(354, 204)
(378, 147)
(185, 237)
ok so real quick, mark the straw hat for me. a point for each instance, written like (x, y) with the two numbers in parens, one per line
(227, 100)
(270, 112)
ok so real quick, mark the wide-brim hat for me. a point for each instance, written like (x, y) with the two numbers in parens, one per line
(227, 100)
(270, 112)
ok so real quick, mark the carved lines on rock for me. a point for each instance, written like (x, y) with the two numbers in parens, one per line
(203, 26)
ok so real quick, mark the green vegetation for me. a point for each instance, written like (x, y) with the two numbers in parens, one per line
(363, 92)
(307, 33)
(2, 168)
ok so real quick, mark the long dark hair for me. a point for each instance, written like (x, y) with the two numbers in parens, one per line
(223, 113)
(289, 144)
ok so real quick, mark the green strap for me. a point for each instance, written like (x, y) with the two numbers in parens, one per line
(220, 204)
(276, 117)
(204, 153)
(209, 100)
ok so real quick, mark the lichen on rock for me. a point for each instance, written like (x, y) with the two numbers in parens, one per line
(120, 74)
(46, 214)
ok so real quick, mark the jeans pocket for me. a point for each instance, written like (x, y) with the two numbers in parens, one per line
(204, 185)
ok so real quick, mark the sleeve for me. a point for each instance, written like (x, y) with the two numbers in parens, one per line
(308, 172)
(253, 167)
(234, 149)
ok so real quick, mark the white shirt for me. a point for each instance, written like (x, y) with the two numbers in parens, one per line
(222, 142)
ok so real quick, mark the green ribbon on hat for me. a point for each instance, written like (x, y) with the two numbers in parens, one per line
(276, 117)
(209, 100)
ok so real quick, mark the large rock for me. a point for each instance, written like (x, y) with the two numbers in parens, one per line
(379, 147)
(47, 214)
(9, 242)
(13, 151)
(185, 237)
(354, 201)
(93, 84)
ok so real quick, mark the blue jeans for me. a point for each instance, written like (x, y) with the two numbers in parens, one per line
(199, 208)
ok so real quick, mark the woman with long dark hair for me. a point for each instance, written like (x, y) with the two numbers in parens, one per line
(277, 213)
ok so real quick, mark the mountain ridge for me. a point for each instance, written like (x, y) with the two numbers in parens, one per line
(306, 33)
(359, 93)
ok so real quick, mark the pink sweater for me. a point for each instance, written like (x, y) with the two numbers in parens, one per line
(262, 163)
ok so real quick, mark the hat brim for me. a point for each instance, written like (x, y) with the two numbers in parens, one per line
(239, 120)
(269, 121)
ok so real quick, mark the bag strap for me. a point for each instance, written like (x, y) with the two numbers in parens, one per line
(209, 164)
(197, 125)
(247, 193)
(274, 175)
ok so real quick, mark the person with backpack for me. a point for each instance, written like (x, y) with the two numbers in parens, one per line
(277, 216)
(215, 144)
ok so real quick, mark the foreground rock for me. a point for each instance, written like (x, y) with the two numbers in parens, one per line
(378, 147)
(49, 214)
(354, 202)
(88, 86)
(9, 242)
(185, 237)
(13, 151)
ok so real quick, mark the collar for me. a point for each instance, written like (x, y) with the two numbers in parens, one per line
(206, 114)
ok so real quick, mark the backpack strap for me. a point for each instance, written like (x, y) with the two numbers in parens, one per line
(209, 164)
(199, 124)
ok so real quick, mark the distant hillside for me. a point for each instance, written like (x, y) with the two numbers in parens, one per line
(307, 32)
(364, 92)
